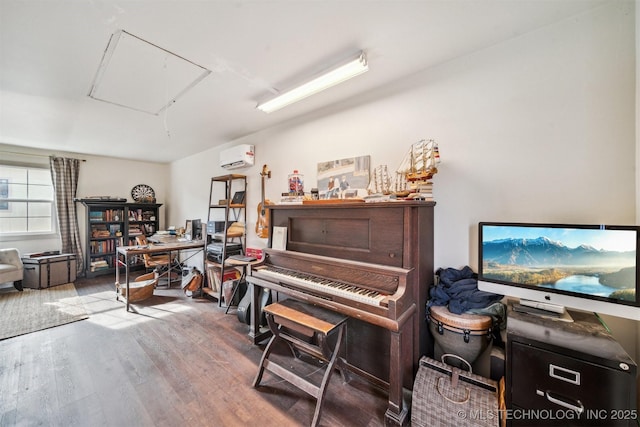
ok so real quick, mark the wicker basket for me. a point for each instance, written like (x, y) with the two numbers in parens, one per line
(139, 290)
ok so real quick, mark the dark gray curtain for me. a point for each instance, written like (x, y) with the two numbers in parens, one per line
(64, 174)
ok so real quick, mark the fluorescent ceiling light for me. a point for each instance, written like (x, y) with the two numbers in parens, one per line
(339, 74)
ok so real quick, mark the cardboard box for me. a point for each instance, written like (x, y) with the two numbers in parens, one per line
(44, 271)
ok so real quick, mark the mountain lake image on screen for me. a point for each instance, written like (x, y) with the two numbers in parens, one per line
(589, 262)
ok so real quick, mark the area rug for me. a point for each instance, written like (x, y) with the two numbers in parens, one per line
(34, 310)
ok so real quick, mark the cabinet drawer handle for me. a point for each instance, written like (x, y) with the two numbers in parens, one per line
(564, 374)
(578, 407)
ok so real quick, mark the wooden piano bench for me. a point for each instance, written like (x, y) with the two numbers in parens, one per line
(304, 328)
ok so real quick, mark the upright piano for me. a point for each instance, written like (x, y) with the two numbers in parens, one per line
(370, 261)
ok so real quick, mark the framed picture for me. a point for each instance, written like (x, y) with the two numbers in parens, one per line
(114, 229)
(344, 178)
(238, 198)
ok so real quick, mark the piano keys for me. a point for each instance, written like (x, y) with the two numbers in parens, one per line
(322, 285)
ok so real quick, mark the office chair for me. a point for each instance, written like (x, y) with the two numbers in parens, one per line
(159, 263)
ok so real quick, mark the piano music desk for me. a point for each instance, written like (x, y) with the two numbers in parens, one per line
(291, 321)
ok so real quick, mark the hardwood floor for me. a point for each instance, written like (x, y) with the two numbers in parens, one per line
(177, 361)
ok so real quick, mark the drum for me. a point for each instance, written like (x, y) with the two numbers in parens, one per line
(465, 335)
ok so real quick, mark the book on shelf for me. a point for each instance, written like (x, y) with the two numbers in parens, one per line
(242, 258)
(213, 276)
(98, 264)
(99, 231)
(96, 216)
(213, 272)
(135, 230)
(253, 252)
(113, 215)
(103, 246)
(106, 215)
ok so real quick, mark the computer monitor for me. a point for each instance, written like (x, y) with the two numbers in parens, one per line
(586, 267)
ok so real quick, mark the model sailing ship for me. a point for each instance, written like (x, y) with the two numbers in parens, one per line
(413, 176)
(380, 182)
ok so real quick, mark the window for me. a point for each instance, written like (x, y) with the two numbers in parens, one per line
(26, 200)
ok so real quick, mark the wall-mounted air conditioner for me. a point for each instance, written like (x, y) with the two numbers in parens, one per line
(236, 157)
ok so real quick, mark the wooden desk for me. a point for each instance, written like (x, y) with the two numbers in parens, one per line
(130, 251)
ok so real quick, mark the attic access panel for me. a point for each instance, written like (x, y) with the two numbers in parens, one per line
(137, 74)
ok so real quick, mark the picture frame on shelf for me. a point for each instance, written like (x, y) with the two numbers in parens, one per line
(238, 198)
(114, 229)
(188, 229)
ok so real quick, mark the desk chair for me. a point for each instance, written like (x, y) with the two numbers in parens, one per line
(160, 263)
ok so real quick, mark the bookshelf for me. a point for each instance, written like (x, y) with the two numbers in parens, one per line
(113, 223)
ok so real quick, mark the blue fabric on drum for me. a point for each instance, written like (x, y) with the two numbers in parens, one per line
(458, 289)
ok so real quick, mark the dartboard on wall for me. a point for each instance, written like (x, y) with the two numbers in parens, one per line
(143, 193)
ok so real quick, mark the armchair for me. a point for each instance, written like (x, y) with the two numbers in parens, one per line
(11, 267)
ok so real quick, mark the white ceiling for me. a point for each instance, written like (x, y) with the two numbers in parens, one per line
(50, 51)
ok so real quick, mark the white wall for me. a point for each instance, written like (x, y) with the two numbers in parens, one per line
(539, 128)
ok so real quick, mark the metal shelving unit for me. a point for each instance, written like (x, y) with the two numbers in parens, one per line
(227, 197)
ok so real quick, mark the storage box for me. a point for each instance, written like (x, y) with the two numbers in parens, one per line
(44, 271)
(444, 395)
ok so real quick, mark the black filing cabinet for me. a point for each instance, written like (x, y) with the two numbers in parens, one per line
(567, 373)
